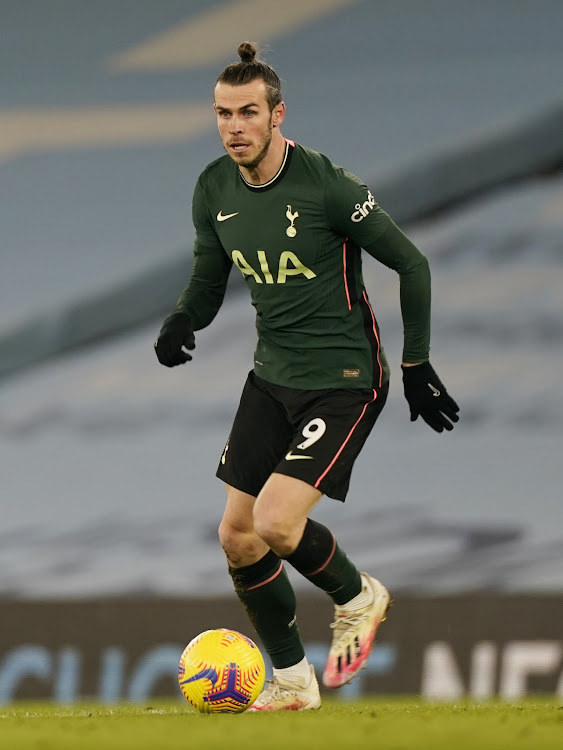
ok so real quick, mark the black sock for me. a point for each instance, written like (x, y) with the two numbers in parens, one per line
(319, 558)
(268, 597)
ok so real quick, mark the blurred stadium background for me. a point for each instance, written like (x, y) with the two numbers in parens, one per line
(109, 562)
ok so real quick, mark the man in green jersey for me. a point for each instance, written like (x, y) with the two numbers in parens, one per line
(294, 225)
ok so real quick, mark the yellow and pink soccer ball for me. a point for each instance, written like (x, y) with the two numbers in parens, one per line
(221, 671)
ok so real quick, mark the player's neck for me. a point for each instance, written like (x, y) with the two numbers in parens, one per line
(270, 164)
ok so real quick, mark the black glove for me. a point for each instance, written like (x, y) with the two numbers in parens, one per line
(428, 397)
(176, 332)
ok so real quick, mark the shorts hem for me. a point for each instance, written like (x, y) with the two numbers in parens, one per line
(238, 485)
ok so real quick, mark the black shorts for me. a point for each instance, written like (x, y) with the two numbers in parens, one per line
(314, 436)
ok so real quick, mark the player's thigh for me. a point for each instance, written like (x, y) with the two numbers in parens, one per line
(237, 535)
(329, 437)
(239, 509)
(282, 508)
(259, 437)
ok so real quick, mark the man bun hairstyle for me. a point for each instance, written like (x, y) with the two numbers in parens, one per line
(247, 52)
(252, 68)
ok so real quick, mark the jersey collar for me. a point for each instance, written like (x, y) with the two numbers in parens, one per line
(289, 148)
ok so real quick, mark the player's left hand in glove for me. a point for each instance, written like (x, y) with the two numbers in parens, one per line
(175, 336)
(427, 397)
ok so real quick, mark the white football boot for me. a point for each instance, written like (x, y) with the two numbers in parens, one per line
(354, 634)
(282, 695)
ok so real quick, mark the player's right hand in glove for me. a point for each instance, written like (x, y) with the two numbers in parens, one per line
(175, 336)
(427, 397)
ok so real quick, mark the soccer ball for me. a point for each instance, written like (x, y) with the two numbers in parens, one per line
(221, 671)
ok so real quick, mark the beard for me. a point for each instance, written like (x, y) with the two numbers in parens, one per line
(253, 163)
(264, 145)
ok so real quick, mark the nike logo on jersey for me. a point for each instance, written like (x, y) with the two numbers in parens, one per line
(292, 456)
(220, 216)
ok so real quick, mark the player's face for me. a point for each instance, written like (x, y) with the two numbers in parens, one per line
(245, 121)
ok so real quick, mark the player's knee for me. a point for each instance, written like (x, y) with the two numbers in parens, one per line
(231, 538)
(274, 531)
(241, 547)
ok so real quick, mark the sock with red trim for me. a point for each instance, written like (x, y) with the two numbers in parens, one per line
(267, 595)
(319, 558)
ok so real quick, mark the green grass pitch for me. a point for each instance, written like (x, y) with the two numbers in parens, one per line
(392, 724)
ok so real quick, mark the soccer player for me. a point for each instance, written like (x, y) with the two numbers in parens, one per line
(294, 225)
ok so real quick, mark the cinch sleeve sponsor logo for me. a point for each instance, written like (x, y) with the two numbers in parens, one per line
(363, 209)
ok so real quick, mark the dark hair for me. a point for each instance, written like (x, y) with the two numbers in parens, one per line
(251, 68)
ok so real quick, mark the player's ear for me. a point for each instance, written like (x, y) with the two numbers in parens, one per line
(278, 114)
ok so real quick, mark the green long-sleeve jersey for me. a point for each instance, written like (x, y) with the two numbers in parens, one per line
(297, 241)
